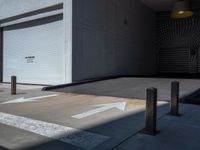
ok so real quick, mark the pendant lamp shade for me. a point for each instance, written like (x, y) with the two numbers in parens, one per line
(181, 9)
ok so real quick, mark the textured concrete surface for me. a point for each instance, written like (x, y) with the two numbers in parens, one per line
(176, 133)
(115, 124)
(134, 87)
(22, 91)
(28, 126)
(111, 124)
(64, 134)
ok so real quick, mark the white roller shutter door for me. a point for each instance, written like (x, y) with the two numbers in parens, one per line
(35, 55)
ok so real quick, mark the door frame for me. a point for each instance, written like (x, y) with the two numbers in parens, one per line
(1, 54)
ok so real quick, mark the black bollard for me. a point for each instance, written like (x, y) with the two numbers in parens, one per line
(151, 112)
(174, 105)
(13, 85)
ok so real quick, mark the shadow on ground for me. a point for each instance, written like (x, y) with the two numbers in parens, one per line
(118, 131)
(3, 148)
(133, 87)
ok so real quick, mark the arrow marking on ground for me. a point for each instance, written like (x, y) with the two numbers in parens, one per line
(103, 107)
(23, 100)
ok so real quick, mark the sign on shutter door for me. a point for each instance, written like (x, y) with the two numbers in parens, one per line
(35, 55)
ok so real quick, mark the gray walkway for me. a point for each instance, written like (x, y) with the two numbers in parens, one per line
(176, 133)
(34, 125)
(134, 87)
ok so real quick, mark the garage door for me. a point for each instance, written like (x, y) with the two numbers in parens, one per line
(35, 54)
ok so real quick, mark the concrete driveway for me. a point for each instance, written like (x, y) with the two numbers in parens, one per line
(52, 120)
(134, 87)
(35, 119)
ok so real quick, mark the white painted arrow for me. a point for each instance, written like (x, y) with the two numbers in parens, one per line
(23, 100)
(103, 107)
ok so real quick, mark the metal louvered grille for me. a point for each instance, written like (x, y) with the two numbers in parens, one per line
(174, 60)
(175, 33)
(198, 61)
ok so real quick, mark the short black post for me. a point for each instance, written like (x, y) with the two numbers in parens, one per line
(151, 111)
(174, 108)
(13, 85)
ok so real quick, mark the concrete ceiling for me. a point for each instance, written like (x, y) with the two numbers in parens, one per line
(166, 5)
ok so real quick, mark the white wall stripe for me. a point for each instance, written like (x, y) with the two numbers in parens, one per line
(65, 134)
(47, 14)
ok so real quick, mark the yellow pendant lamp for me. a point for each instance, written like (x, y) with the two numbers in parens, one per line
(181, 10)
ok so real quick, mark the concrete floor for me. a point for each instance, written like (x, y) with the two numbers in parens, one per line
(134, 87)
(113, 124)
(33, 125)
(176, 133)
(22, 91)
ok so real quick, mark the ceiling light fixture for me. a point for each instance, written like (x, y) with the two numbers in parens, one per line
(181, 9)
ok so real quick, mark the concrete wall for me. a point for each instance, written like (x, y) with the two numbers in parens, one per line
(112, 37)
(10, 8)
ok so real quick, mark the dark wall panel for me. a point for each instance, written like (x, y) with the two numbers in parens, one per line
(112, 37)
